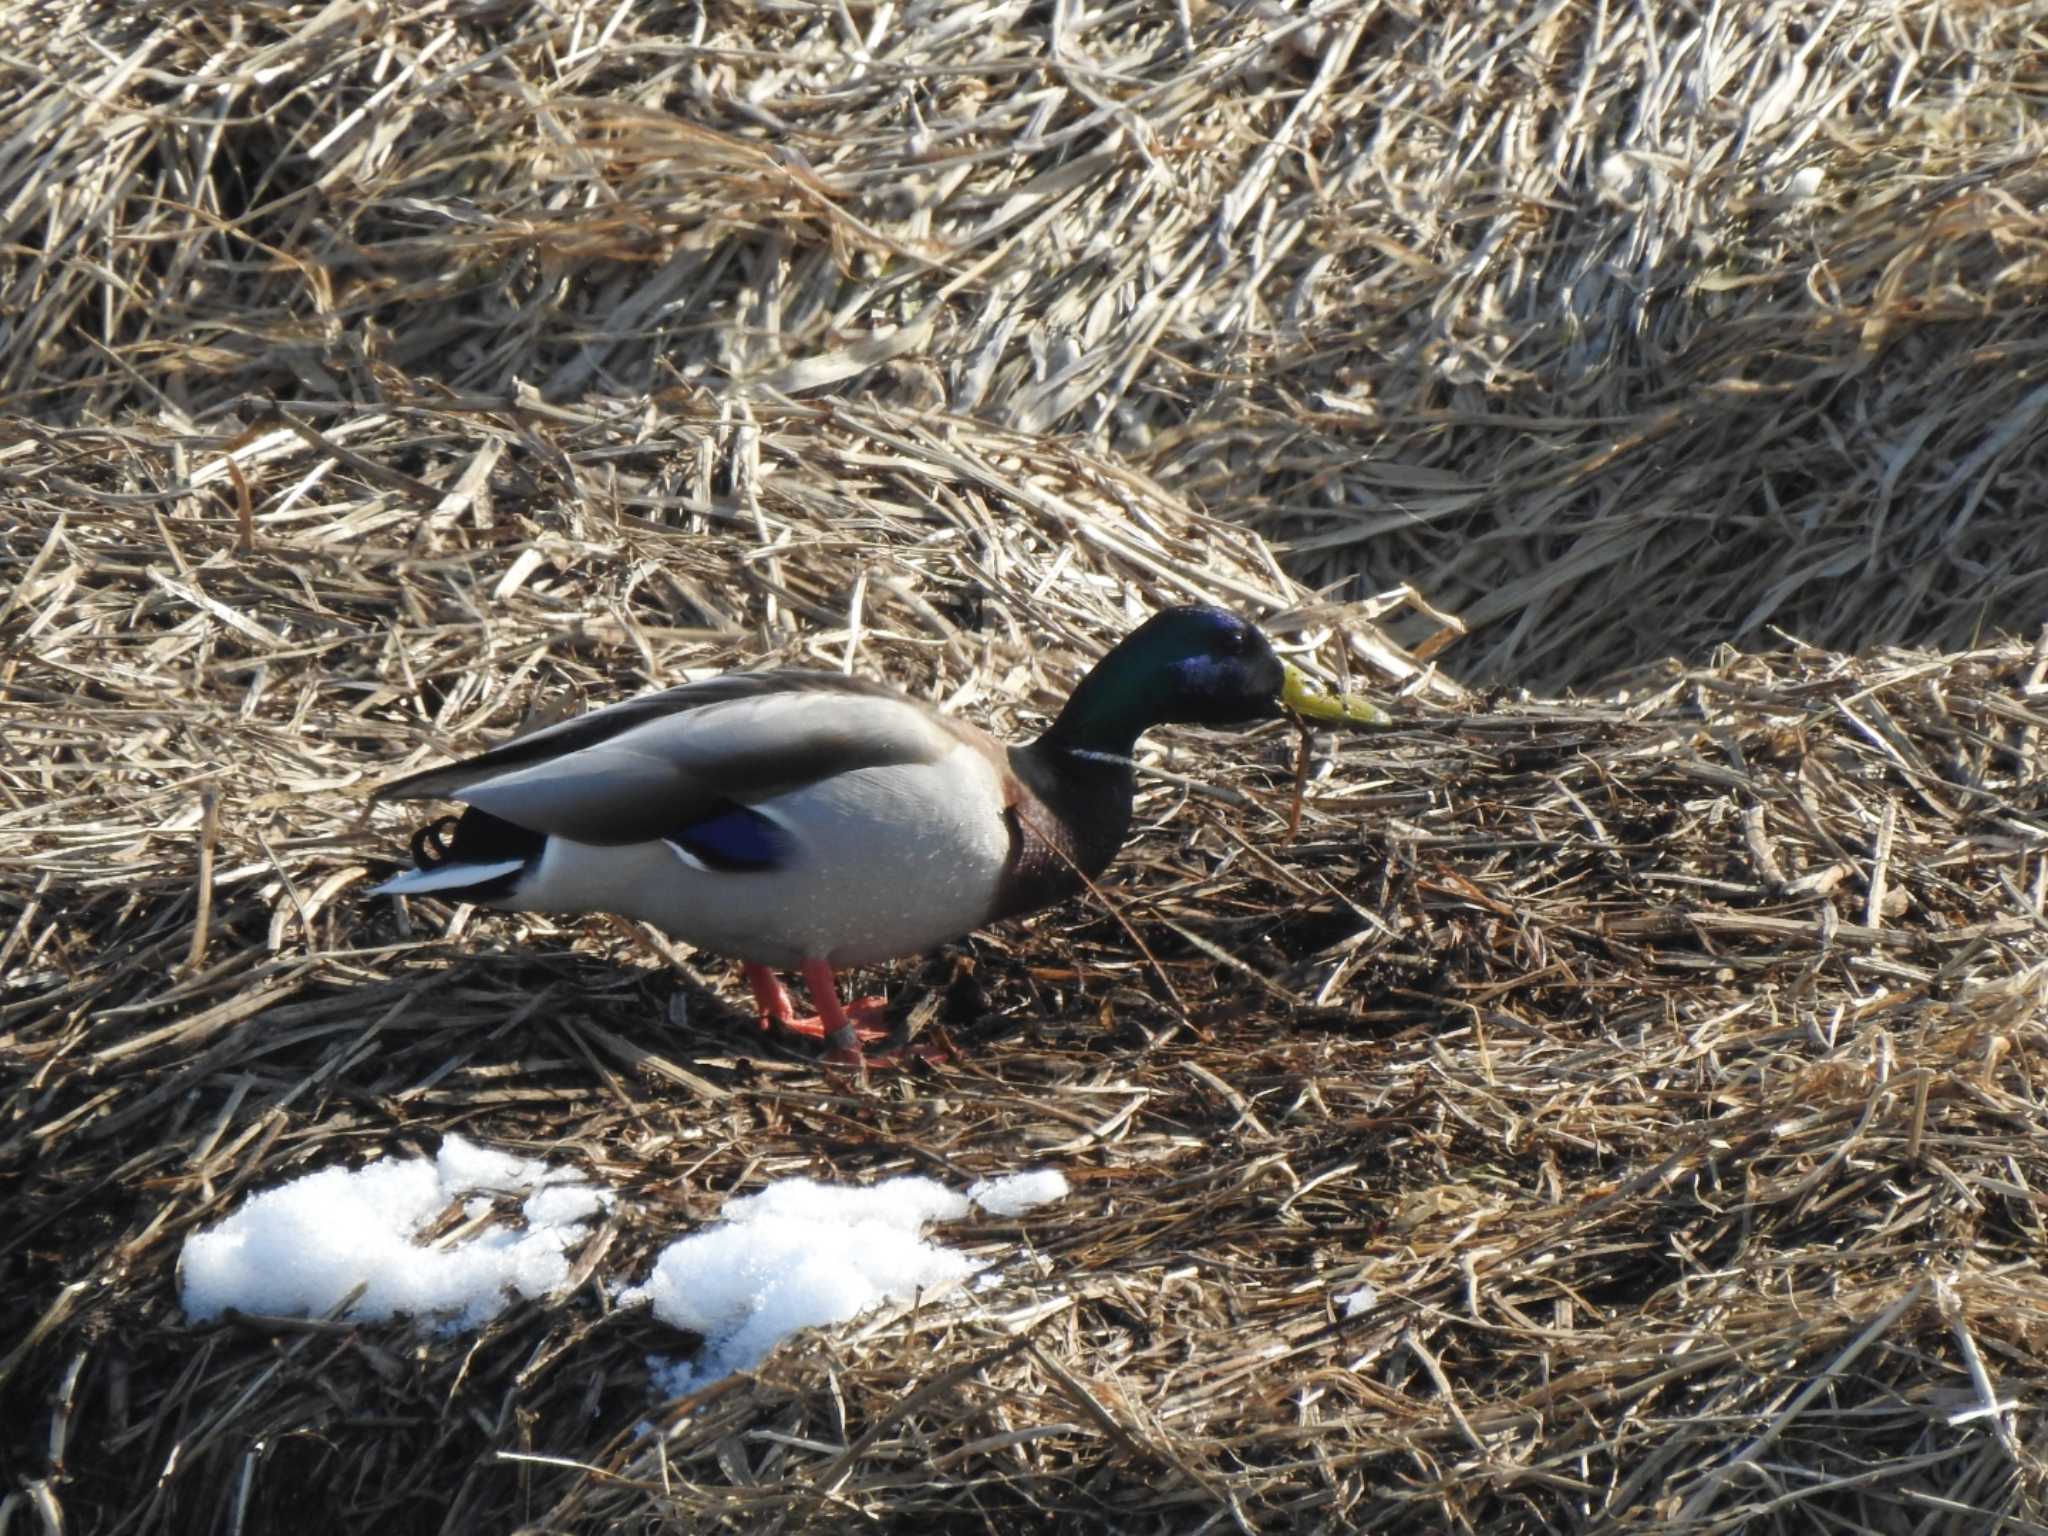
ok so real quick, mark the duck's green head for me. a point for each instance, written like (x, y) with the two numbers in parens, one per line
(1183, 666)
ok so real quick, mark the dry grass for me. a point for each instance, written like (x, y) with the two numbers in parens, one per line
(1670, 1067)
(1669, 1064)
(1538, 305)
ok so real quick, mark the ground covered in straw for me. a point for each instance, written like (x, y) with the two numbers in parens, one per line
(1622, 1113)
(1539, 305)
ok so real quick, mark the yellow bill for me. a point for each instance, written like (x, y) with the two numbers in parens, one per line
(1306, 697)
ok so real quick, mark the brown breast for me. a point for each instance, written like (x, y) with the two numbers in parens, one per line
(1068, 816)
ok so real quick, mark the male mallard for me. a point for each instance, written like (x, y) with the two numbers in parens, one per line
(807, 821)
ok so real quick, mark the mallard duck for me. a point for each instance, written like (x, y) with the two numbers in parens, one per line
(809, 821)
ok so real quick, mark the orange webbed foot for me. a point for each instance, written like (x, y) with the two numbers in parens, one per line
(867, 1017)
(857, 1033)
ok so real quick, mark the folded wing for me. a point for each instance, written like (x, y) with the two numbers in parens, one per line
(657, 766)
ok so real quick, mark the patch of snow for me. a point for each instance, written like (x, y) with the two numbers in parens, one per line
(562, 1205)
(800, 1254)
(1015, 1193)
(1805, 183)
(1364, 1299)
(301, 1248)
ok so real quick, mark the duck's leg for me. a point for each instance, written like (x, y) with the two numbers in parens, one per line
(863, 1023)
(770, 1000)
(845, 1028)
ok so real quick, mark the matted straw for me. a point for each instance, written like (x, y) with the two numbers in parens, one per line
(1620, 329)
(1618, 1115)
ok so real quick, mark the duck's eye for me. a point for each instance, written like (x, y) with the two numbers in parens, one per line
(1233, 642)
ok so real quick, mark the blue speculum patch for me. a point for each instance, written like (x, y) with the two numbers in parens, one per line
(735, 840)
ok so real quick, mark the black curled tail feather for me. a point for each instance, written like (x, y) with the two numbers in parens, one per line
(433, 844)
(477, 837)
(474, 837)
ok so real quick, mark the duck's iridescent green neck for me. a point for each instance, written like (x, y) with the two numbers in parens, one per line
(1107, 714)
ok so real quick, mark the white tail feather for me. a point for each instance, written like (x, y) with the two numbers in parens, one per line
(445, 877)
